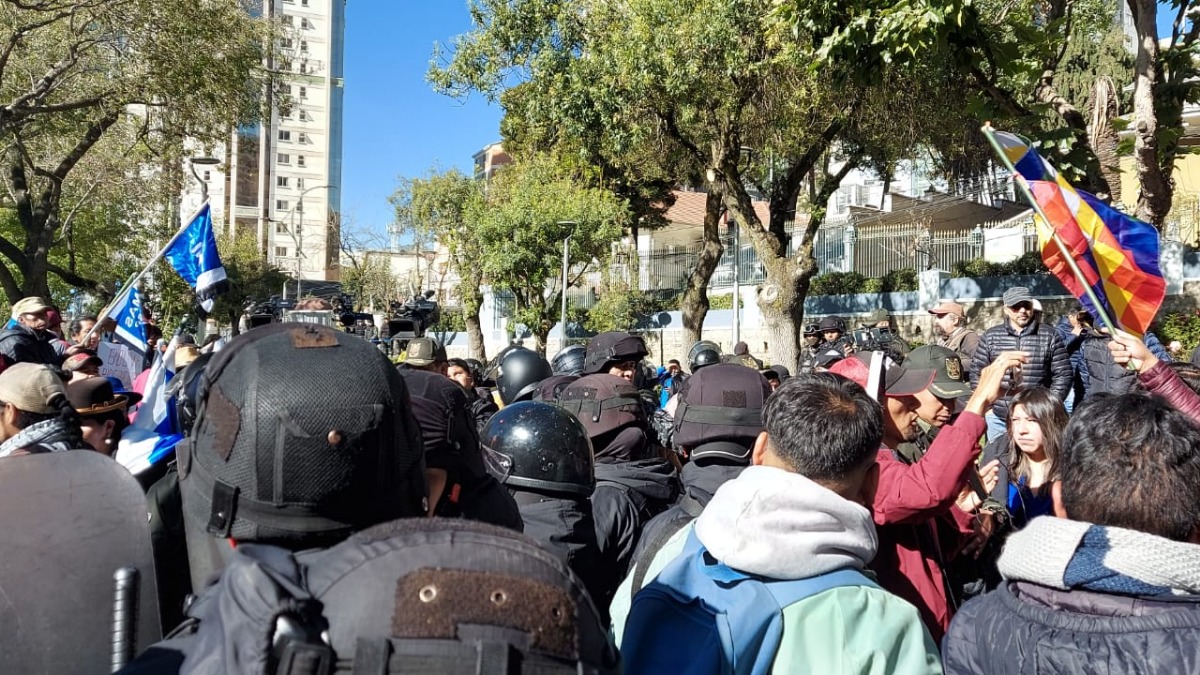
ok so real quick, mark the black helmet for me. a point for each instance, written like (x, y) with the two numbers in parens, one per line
(812, 329)
(720, 412)
(518, 374)
(569, 360)
(603, 403)
(552, 387)
(703, 353)
(542, 447)
(185, 389)
(612, 347)
(303, 436)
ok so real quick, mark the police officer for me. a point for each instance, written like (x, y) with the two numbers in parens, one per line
(634, 483)
(518, 374)
(569, 360)
(833, 330)
(813, 341)
(467, 375)
(459, 484)
(549, 467)
(616, 353)
(718, 418)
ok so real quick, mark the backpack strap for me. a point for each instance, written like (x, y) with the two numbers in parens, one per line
(642, 566)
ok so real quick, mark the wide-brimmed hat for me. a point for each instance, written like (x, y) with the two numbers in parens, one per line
(95, 396)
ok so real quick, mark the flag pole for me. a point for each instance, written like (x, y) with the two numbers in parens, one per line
(1046, 226)
(145, 270)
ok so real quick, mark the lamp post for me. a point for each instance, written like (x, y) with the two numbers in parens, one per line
(297, 234)
(562, 315)
(203, 161)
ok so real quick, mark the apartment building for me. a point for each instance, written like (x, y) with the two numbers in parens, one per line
(281, 179)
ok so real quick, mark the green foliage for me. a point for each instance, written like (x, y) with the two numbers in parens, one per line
(528, 211)
(837, 283)
(1182, 326)
(370, 282)
(450, 320)
(724, 301)
(1029, 263)
(900, 280)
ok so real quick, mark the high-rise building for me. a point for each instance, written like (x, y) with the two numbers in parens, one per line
(281, 179)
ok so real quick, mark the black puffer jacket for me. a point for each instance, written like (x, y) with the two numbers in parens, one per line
(20, 344)
(627, 496)
(1022, 628)
(564, 527)
(1049, 364)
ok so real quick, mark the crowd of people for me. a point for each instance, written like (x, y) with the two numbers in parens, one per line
(1025, 498)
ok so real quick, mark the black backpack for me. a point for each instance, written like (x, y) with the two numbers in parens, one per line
(410, 596)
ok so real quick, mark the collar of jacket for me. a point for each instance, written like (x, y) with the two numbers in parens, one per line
(1030, 329)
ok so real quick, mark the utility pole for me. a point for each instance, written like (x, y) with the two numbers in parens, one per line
(562, 315)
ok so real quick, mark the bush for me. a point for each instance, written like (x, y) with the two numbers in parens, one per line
(721, 301)
(1029, 263)
(1182, 326)
(900, 280)
(837, 283)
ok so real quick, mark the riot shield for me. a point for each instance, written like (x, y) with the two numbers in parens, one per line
(72, 527)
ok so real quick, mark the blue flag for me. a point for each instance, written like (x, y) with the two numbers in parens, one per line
(128, 315)
(194, 257)
(155, 431)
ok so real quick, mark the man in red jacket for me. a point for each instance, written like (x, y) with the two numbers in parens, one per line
(914, 546)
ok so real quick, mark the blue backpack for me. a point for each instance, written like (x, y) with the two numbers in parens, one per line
(699, 616)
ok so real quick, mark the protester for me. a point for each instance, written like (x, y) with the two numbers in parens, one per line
(1029, 454)
(1047, 364)
(1112, 587)
(79, 327)
(669, 380)
(36, 415)
(915, 500)
(28, 340)
(950, 329)
(82, 365)
(479, 399)
(1100, 375)
(103, 412)
(796, 514)
(776, 375)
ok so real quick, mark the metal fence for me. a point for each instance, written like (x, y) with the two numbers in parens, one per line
(841, 247)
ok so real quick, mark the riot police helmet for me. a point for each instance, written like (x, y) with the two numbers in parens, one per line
(519, 373)
(703, 353)
(607, 349)
(539, 447)
(569, 360)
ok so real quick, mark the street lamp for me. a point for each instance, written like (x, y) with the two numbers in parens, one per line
(562, 316)
(202, 161)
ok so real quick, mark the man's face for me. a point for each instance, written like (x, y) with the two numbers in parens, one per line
(900, 422)
(625, 369)
(883, 324)
(673, 369)
(934, 410)
(1020, 314)
(461, 375)
(774, 382)
(84, 327)
(812, 340)
(34, 320)
(944, 324)
(831, 335)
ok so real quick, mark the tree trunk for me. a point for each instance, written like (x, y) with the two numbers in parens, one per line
(1103, 135)
(475, 346)
(1154, 188)
(694, 303)
(781, 301)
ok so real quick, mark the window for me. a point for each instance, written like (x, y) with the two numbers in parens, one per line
(303, 138)
(285, 135)
(299, 183)
(286, 43)
(286, 19)
(303, 92)
(304, 45)
(281, 252)
(305, 24)
(304, 3)
(206, 176)
(280, 228)
(281, 181)
(299, 207)
(283, 158)
(304, 67)
(281, 205)
(299, 160)
(305, 116)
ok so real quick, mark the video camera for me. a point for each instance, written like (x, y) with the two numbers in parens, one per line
(410, 319)
(262, 312)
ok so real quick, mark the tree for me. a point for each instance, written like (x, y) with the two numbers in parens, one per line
(442, 206)
(370, 281)
(712, 78)
(528, 211)
(91, 90)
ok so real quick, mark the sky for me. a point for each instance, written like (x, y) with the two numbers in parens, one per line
(394, 123)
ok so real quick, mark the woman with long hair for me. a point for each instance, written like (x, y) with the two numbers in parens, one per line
(1028, 453)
